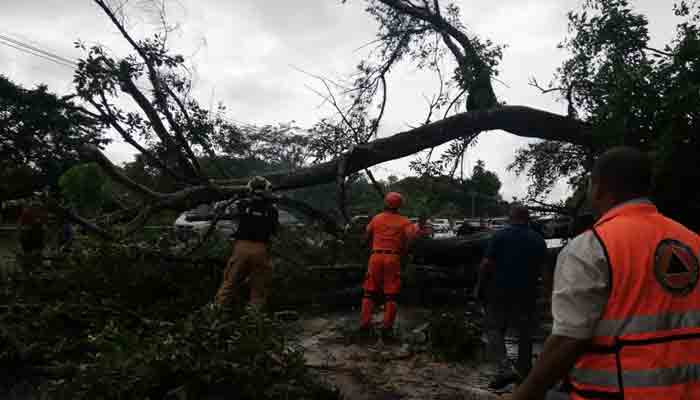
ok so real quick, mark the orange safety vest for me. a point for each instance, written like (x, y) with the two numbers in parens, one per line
(647, 342)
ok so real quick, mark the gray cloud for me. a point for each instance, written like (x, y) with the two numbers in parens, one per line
(247, 52)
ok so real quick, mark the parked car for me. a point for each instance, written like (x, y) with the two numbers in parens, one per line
(556, 227)
(498, 223)
(469, 228)
(441, 225)
(357, 224)
(196, 222)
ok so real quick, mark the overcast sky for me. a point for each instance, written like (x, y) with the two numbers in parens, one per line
(248, 53)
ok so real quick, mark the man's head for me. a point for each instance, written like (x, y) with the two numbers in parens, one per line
(619, 175)
(393, 201)
(519, 214)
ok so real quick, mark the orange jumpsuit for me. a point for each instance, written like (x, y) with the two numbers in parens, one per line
(389, 233)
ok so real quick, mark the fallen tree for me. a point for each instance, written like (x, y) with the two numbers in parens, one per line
(519, 120)
(180, 131)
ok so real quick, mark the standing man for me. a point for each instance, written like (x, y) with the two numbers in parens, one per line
(626, 304)
(509, 273)
(32, 232)
(387, 235)
(258, 221)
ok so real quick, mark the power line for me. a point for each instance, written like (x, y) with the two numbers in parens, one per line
(30, 52)
(36, 49)
(65, 62)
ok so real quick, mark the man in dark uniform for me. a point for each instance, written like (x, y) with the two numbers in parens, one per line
(258, 221)
(509, 272)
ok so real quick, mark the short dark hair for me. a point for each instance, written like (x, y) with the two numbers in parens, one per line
(519, 212)
(624, 171)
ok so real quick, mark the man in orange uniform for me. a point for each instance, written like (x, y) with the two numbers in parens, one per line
(626, 303)
(387, 235)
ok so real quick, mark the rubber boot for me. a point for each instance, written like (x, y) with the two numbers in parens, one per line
(390, 309)
(366, 313)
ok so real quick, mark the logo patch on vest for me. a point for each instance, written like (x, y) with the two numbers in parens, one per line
(676, 267)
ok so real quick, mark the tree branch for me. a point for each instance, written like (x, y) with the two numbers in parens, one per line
(193, 169)
(533, 82)
(129, 87)
(377, 186)
(329, 224)
(92, 153)
(112, 120)
(659, 52)
(76, 219)
(210, 152)
(518, 120)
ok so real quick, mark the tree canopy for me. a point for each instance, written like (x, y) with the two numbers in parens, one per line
(40, 134)
(619, 90)
(631, 94)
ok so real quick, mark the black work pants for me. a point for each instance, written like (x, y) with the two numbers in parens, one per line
(518, 315)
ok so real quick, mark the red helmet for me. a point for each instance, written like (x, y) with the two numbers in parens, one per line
(393, 200)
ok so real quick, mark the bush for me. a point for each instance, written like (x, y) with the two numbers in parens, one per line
(113, 323)
(453, 337)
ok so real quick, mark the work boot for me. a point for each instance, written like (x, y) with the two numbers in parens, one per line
(389, 337)
(362, 336)
(504, 377)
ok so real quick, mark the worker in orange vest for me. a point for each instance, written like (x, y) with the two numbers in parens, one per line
(387, 236)
(626, 302)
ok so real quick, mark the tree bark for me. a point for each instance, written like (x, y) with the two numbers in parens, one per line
(518, 120)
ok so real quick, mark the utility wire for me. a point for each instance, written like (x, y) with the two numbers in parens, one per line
(65, 62)
(36, 49)
(30, 52)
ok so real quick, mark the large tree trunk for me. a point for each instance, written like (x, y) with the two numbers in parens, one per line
(518, 120)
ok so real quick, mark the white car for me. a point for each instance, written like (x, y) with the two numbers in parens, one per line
(441, 225)
(498, 223)
(196, 222)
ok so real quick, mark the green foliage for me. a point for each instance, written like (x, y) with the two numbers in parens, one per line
(115, 323)
(632, 94)
(39, 137)
(193, 132)
(545, 163)
(445, 196)
(86, 188)
(453, 337)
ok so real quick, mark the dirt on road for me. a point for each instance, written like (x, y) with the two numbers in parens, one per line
(377, 371)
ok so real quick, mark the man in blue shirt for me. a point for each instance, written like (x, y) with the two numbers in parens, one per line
(508, 274)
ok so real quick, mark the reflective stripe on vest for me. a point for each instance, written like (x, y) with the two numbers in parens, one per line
(643, 378)
(648, 337)
(648, 324)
